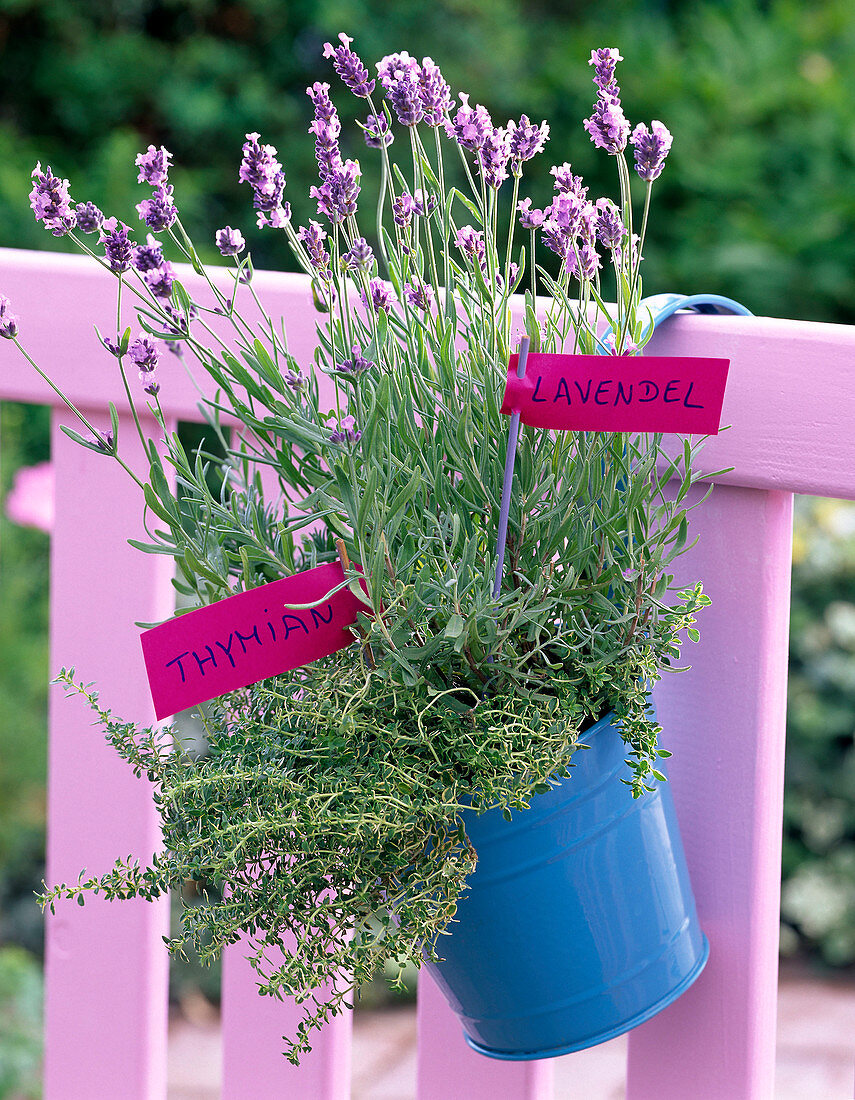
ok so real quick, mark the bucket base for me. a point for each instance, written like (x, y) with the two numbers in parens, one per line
(612, 1033)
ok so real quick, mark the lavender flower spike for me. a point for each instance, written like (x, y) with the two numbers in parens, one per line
(605, 61)
(651, 148)
(435, 94)
(154, 166)
(349, 67)
(118, 249)
(50, 201)
(347, 432)
(338, 193)
(158, 212)
(493, 157)
(149, 256)
(143, 353)
(608, 126)
(399, 75)
(610, 227)
(379, 296)
(526, 141)
(89, 217)
(530, 219)
(470, 126)
(376, 131)
(160, 280)
(8, 320)
(360, 257)
(230, 241)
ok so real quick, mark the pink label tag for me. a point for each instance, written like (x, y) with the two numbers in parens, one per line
(618, 393)
(246, 638)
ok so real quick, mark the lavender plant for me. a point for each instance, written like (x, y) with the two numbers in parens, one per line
(324, 819)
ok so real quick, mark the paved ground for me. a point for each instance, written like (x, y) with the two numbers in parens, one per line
(816, 1052)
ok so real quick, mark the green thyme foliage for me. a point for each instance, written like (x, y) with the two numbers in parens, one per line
(327, 813)
(327, 817)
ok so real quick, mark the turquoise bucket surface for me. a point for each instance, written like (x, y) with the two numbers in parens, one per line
(579, 922)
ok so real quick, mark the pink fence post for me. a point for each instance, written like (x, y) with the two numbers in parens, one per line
(106, 969)
(448, 1068)
(725, 722)
(253, 1026)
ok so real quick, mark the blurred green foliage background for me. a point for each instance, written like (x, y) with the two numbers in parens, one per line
(757, 202)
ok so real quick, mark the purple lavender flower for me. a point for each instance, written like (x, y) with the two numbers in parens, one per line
(555, 237)
(89, 217)
(651, 148)
(424, 204)
(629, 348)
(530, 219)
(327, 152)
(50, 201)
(154, 166)
(610, 227)
(259, 164)
(149, 256)
(493, 157)
(337, 195)
(513, 275)
(112, 346)
(566, 210)
(403, 209)
(358, 364)
(150, 383)
(349, 67)
(526, 141)
(319, 93)
(144, 354)
(359, 257)
(583, 262)
(230, 241)
(106, 442)
(379, 296)
(160, 280)
(471, 243)
(434, 92)
(400, 76)
(607, 126)
(470, 125)
(377, 132)
(394, 67)
(263, 172)
(312, 239)
(347, 432)
(605, 61)
(158, 212)
(418, 294)
(118, 249)
(565, 182)
(8, 320)
(588, 221)
(295, 380)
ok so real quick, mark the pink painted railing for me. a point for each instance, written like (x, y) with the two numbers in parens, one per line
(790, 399)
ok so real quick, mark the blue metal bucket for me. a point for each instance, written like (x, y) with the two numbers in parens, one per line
(579, 922)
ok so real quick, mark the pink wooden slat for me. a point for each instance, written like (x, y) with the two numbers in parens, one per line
(790, 390)
(789, 398)
(448, 1068)
(724, 721)
(253, 1026)
(106, 965)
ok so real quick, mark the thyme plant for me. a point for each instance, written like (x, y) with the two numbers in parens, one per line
(324, 820)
